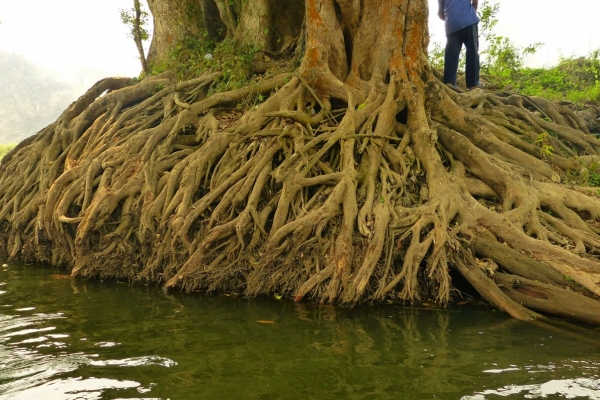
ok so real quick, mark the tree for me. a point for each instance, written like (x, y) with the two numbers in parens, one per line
(267, 24)
(136, 19)
(358, 177)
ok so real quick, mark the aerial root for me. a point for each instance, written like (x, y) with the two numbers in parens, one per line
(549, 299)
(365, 202)
(488, 289)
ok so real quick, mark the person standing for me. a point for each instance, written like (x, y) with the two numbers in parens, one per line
(461, 28)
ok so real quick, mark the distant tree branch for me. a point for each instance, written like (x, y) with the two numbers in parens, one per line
(136, 19)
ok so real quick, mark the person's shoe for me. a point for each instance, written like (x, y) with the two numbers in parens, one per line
(454, 87)
(480, 85)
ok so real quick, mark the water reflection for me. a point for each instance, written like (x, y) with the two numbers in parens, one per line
(81, 339)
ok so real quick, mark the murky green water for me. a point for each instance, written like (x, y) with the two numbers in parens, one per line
(71, 339)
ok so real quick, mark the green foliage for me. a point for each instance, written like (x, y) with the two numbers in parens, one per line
(502, 65)
(589, 178)
(137, 25)
(5, 148)
(194, 57)
(234, 62)
(500, 58)
(436, 56)
(137, 20)
(574, 79)
(487, 15)
(187, 59)
(545, 148)
(594, 178)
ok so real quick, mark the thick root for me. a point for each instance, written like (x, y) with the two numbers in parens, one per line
(373, 201)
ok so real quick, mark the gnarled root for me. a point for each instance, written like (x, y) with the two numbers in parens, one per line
(312, 198)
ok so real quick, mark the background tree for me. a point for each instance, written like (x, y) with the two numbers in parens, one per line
(136, 19)
(357, 177)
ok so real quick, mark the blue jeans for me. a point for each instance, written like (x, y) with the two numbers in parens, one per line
(468, 36)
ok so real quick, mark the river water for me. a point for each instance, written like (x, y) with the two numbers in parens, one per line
(63, 338)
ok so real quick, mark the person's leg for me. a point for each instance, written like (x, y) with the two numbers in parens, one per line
(472, 65)
(451, 57)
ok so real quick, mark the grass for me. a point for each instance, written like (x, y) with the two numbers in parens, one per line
(573, 79)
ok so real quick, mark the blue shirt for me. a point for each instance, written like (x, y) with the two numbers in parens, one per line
(459, 14)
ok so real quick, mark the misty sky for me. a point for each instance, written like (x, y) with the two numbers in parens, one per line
(84, 40)
(79, 40)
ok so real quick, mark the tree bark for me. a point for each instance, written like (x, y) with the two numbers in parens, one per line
(268, 25)
(174, 21)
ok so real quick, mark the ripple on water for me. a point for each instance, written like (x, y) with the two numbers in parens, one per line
(25, 373)
(583, 387)
(566, 388)
(107, 344)
(24, 369)
(135, 362)
(30, 374)
(75, 389)
(11, 323)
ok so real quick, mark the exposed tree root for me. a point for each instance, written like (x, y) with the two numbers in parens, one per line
(367, 195)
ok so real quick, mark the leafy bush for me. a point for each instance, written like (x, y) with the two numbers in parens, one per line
(574, 79)
(500, 58)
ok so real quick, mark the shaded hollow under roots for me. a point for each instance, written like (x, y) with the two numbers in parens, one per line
(372, 198)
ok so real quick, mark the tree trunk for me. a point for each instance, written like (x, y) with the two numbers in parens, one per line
(269, 25)
(174, 21)
(357, 177)
(138, 35)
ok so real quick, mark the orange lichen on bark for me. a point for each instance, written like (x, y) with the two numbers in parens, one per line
(313, 14)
